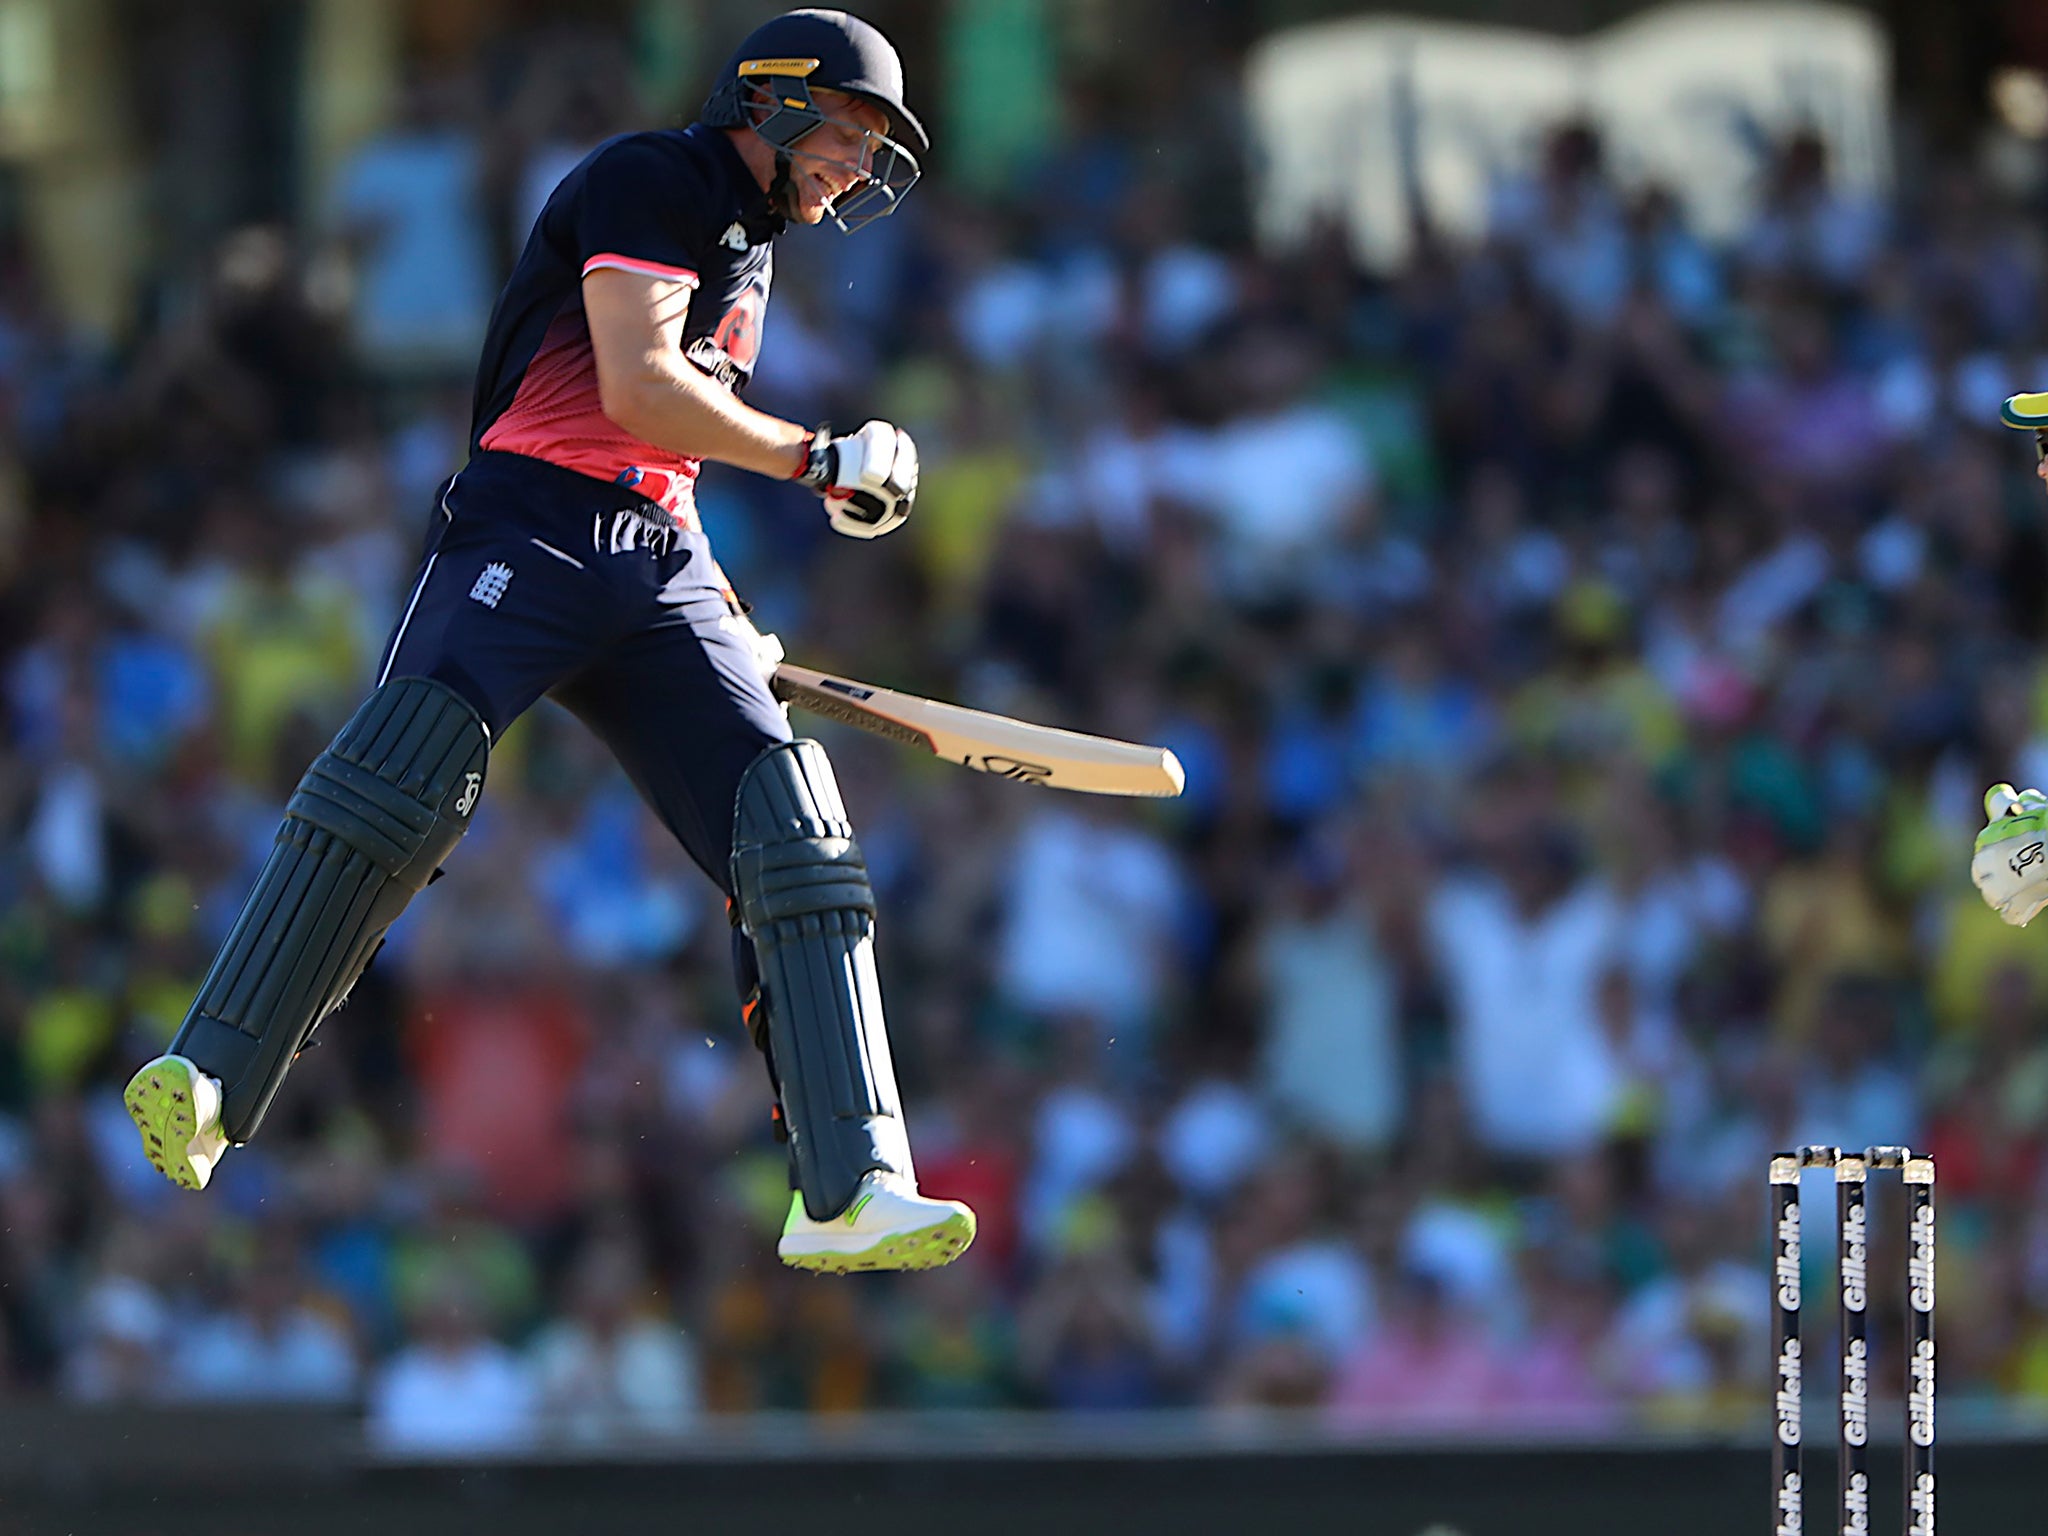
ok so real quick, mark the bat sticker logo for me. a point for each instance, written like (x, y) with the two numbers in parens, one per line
(851, 690)
(1010, 768)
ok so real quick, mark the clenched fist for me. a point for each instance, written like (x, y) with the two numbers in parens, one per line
(868, 478)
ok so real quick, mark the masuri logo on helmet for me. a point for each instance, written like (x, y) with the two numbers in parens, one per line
(766, 85)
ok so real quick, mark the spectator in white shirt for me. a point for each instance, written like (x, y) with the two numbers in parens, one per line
(1522, 947)
(1331, 1044)
(1285, 478)
(1091, 915)
(453, 1391)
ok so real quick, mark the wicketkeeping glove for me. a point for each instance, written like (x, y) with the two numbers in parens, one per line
(2011, 866)
(867, 478)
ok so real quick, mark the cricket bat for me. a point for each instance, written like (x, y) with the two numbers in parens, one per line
(1010, 749)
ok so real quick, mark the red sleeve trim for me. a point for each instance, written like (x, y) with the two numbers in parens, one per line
(643, 268)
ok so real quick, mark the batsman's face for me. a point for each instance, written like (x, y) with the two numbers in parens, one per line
(838, 154)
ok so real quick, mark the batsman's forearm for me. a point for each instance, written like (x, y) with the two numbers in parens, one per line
(684, 411)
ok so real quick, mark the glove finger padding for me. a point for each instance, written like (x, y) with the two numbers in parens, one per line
(868, 479)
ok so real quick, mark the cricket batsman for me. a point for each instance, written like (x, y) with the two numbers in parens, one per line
(2011, 864)
(566, 559)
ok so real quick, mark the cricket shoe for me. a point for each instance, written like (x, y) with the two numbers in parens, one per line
(887, 1225)
(177, 1108)
(2010, 868)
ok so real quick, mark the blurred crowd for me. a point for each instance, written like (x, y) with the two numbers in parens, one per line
(1586, 649)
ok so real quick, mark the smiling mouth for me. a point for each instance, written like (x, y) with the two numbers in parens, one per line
(825, 192)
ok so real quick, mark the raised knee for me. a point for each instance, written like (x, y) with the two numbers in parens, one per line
(401, 780)
(793, 849)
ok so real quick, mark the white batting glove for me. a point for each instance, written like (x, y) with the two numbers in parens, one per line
(2010, 869)
(867, 478)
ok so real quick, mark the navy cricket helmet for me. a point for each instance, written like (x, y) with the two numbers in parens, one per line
(766, 86)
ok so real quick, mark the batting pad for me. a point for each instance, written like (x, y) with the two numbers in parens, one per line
(805, 901)
(369, 824)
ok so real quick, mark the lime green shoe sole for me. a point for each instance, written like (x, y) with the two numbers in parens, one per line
(159, 1101)
(920, 1248)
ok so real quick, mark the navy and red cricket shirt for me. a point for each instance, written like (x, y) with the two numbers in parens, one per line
(673, 203)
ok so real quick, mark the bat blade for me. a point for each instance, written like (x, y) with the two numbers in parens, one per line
(1009, 749)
